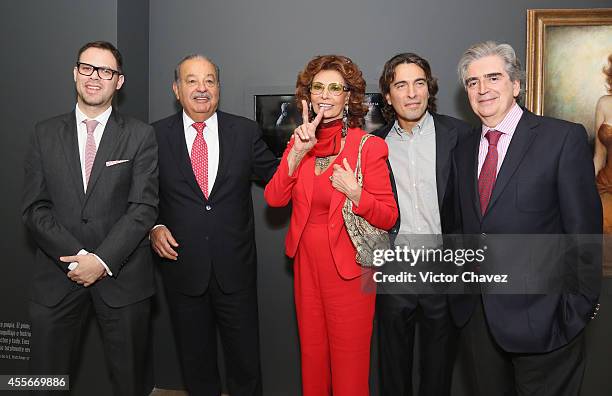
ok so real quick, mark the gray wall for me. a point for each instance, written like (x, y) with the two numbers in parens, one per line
(133, 41)
(260, 46)
(39, 44)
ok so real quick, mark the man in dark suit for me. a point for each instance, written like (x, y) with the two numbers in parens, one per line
(532, 177)
(421, 143)
(205, 232)
(89, 200)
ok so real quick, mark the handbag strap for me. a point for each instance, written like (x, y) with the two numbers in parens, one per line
(358, 174)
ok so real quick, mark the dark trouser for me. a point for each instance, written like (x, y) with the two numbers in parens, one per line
(56, 339)
(493, 371)
(195, 320)
(397, 315)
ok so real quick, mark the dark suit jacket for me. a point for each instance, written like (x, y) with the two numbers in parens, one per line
(449, 131)
(111, 220)
(219, 232)
(546, 185)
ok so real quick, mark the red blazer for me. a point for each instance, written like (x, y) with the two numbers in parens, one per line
(376, 205)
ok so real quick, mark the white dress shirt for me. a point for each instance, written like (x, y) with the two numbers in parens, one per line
(507, 127)
(82, 135)
(211, 137)
(412, 155)
(82, 139)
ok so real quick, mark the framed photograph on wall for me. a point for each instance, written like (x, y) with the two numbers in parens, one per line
(567, 50)
(278, 115)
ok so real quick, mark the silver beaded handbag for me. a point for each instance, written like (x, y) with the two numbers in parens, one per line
(364, 236)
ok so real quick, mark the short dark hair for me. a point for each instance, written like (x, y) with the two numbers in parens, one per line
(105, 45)
(388, 75)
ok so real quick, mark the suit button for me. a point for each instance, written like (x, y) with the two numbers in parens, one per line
(84, 221)
(208, 207)
(206, 238)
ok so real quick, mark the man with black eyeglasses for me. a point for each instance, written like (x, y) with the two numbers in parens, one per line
(90, 198)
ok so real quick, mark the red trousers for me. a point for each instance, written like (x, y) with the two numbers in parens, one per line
(334, 318)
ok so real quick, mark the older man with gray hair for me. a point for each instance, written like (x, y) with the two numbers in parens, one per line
(205, 233)
(525, 174)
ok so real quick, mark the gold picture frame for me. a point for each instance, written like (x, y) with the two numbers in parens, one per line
(566, 51)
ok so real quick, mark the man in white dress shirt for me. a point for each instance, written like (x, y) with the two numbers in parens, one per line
(205, 231)
(90, 198)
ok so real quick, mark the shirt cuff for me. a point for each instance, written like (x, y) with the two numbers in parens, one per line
(154, 227)
(83, 252)
(108, 271)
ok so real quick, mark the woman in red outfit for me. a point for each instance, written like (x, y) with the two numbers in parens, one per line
(334, 313)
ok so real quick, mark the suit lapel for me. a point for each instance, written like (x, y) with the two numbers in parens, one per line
(70, 145)
(227, 140)
(383, 133)
(110, 139)
(474, 148)
(521, 140)
(351, 142)
(337, 200)
(307, 175)
(175, 139)
(446, 139)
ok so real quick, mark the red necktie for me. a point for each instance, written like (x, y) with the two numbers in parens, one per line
(488, 172)
(199, 158)
(90, 148)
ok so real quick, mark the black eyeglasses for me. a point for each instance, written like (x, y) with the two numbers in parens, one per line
(103, 72)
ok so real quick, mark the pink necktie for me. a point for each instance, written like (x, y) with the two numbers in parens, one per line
(90, 148)
(199, 158)
(488, 172)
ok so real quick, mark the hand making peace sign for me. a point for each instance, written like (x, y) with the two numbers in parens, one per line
(304, 135)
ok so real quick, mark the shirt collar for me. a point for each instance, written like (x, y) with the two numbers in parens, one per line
(508, 125)
(211, 122)
(421, 128)
(101, 118)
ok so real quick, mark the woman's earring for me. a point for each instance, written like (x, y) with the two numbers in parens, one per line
(345, 120)
(310, 112)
